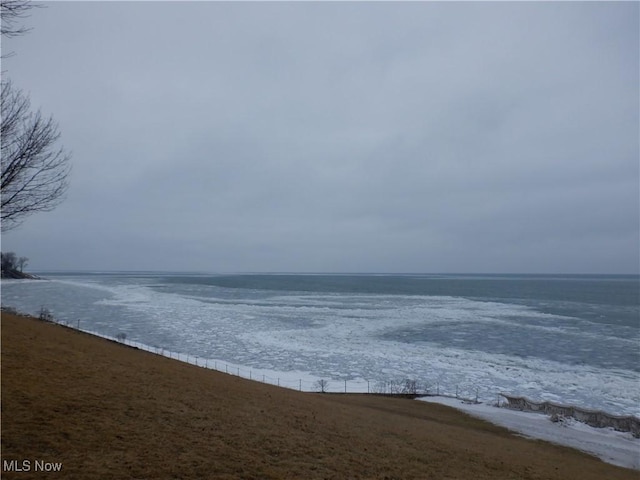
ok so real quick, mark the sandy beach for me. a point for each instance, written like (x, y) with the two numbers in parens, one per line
(95, 409)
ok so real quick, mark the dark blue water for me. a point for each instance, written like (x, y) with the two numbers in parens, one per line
(611, 299)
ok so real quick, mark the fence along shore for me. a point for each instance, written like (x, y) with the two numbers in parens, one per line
(406, 387)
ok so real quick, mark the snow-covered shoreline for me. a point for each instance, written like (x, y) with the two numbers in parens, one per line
(613, 447)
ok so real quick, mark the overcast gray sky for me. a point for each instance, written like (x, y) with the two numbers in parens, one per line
(338, 137)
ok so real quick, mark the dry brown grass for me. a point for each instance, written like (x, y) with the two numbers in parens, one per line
(107, 411)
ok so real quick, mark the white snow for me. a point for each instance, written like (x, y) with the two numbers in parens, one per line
(617, 448)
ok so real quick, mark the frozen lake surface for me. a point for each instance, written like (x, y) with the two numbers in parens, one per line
(566, 339)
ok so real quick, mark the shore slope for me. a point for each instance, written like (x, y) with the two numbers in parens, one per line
(105, 410)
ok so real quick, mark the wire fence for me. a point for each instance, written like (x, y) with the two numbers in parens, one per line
(404, 386)
(401, 387)
(467, 392)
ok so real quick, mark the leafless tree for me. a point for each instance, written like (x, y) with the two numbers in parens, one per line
(22, 262)
(46, 315)
(8, 261)
(410, 387)
(34, 171)
(322, 385)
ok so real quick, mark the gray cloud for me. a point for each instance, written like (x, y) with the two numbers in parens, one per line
(491, 137)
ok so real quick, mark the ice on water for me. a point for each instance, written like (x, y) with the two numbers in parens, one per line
(452, 344)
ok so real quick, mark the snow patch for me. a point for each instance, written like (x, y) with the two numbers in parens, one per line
(613, 447)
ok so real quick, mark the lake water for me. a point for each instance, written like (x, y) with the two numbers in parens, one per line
(569, 339)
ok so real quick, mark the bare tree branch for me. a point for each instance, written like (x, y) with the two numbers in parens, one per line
(11, 12)
(33, 172)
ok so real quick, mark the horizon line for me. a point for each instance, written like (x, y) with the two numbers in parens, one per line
(285, 272)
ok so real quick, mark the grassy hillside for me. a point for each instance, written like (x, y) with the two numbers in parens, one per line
(107, 411)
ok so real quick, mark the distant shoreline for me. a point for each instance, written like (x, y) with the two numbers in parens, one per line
(474, 275)
(18, 275)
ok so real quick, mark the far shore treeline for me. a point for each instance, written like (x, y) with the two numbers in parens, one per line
(13, 266)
